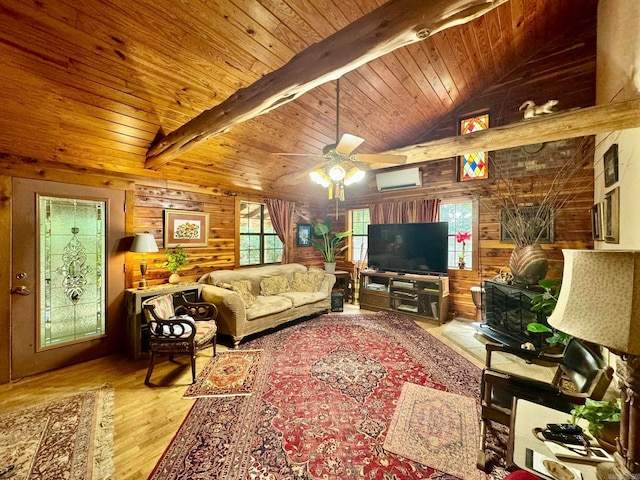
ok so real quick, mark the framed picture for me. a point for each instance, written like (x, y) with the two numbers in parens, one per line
(304, 235)
(611, 165)
(612, 216)
(597, 212)
(528, 216)
(185, 228)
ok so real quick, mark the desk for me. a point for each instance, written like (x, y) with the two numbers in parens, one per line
(524, 418)
(343, 279)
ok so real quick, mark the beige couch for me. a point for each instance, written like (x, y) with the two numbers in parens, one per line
(254, 299)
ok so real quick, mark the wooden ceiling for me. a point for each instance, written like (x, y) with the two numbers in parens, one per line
(92, 83)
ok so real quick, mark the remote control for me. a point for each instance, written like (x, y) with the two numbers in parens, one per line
(564, 428)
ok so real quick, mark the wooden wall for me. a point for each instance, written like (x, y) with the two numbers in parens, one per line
(537, 172)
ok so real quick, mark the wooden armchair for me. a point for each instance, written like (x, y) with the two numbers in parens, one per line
(580, 374)
(186, 329)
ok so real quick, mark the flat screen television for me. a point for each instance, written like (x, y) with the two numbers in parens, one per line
(410, 247)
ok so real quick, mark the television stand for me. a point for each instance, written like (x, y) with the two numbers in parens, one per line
(422, 297)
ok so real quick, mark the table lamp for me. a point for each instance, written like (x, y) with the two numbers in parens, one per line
(143, 243)
(600, 302)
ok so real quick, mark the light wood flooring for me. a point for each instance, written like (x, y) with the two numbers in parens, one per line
(146, 418)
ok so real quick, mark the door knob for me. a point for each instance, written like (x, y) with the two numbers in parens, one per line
(22, 290)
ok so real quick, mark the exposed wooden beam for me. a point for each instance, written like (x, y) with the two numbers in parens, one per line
(395, 24)
(548, 128)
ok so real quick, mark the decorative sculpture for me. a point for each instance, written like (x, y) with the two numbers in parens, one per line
(532, 110)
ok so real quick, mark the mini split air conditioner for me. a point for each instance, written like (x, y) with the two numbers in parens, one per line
(407, 178)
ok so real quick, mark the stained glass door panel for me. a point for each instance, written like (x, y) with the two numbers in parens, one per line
(72, 260)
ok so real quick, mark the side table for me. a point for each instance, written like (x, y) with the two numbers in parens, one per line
(343, 278)
(137, 335)
(525, 417)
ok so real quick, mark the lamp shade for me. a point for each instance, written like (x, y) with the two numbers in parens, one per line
(600, 298)
(144, 243)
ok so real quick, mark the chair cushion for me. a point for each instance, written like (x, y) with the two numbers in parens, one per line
(274, 285)
(163, 305)
(205, 331)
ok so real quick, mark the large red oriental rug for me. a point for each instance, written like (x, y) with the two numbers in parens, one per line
(321, 405)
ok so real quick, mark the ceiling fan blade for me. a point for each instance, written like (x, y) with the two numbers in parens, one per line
(381, 158)
(295, 178)
(297, 154)
(348, 143)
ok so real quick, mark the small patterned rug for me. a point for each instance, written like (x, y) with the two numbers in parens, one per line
(229, 373)
(436, 428)
(70, 438)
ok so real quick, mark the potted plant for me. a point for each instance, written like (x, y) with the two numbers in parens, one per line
(546, 302)
(176, 259)
(603, 418)
(462, 237)
(330, 244)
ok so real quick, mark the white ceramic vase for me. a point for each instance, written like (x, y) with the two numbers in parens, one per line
(174, 278)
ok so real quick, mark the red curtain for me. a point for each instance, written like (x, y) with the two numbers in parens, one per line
(410, 211)
(281, 212)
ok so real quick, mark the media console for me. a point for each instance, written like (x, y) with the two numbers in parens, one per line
(419, 296)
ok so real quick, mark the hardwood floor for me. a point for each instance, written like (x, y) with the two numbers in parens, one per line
(146, 418)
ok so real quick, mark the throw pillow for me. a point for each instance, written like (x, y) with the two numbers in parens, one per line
(318, 275)
(243, 288)
(222, 285)
(274, 285)
(303, 282)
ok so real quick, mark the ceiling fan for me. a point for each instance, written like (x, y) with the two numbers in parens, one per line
(340, 165)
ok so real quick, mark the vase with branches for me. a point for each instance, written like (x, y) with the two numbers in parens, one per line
(527, 202)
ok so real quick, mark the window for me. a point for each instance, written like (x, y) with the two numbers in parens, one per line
(473, 166)
(359, 223)
(259, 243)
(461, 219)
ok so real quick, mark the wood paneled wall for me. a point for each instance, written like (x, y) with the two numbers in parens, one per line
(536, 172)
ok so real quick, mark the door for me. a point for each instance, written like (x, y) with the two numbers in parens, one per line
(67, 274)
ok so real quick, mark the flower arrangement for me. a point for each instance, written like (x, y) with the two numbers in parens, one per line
(176, 259)
(462, 237)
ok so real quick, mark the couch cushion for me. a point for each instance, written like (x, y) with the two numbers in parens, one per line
(243, 288)
(307, 282)
(274, 285)
(264, 306)
(304, 298)
(163, 305)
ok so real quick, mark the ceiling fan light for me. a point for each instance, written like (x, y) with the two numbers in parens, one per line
(353, 175)
(319, 177)
(336, 173)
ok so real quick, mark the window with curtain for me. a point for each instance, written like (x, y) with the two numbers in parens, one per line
(460, 216)
(359, 220)
(259, 243)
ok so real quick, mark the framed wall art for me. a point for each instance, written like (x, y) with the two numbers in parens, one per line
(185, 228)
(612, 216)
(597, 212)
(304, 235)
(528, 216)
(611, 165)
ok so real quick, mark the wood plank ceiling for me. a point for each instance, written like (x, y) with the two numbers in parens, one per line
(90, 83)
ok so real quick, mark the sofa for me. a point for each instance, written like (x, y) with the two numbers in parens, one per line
(254, 299)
